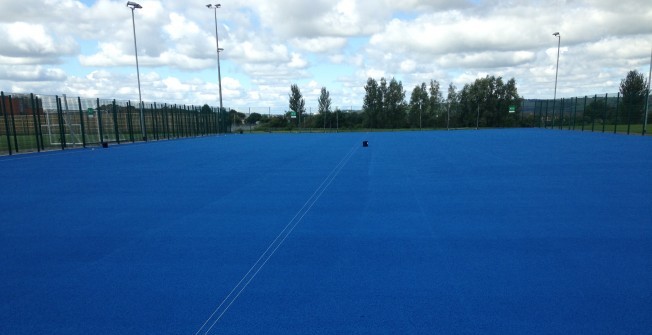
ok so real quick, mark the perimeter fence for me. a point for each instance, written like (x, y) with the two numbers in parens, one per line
(30, 123)
(597, 113)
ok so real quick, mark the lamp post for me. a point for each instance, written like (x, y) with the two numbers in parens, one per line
(554, 99)
(133, 6)
(217, 45)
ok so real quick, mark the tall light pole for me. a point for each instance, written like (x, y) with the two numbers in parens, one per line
(217, 45)
(133, 6)
(554, 99)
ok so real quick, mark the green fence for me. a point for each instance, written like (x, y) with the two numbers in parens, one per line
(597, 113)
(30, 123)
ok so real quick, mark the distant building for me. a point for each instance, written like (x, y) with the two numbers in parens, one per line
(18, 104)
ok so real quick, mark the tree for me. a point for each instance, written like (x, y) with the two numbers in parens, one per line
(434, 104)
(324, 102)
(419, 102)
(297, 103)
(486, 102)
(236, 117)
(372, 103)
(394, 104)
(452, 99)
(253, 118)
(633, 89)
(384, 104)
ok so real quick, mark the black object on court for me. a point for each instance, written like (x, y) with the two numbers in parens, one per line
(365, 143)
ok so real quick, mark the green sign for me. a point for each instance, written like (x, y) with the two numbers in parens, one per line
(293, 115)
(512, 109)
(90, 112)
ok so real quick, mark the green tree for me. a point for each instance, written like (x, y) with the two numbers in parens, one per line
(633, 89)
(384, 104)
(452, 99)
(434, 105)
(394, 105)
(372, 103)
(236, 117)
(324, 102)
(486, 102)
(419, 102)
(297, 103)
(253, 118)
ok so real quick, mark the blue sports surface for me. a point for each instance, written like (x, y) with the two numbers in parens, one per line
(521, 231)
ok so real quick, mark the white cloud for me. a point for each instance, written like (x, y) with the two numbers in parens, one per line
(32, 73)
(320, 44)
(337, 44)
(297, 62)
(27, 43)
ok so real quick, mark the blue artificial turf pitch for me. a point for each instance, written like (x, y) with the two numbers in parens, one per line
(461, 232)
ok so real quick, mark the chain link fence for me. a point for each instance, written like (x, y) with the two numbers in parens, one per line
(30, 122)
(34, 123)
(597, 113)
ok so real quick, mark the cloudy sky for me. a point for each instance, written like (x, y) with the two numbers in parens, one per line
(86, 48)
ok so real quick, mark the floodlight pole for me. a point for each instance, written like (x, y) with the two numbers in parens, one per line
(133, 6)
(647, 96)
(217, 44)
(554, 99)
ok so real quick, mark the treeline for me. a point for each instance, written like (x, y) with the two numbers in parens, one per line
(486, 102)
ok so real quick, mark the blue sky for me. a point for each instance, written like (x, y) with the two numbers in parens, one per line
(334, 44)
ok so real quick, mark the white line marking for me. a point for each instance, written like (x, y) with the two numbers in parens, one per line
(274, 245)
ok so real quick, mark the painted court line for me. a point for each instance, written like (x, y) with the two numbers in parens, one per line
(233, 295)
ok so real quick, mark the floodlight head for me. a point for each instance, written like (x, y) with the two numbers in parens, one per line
(555, 34)
(217, 5)
(133, 5)
(220, 49)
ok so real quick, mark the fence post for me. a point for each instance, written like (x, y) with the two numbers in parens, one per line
(574, 111)
(13, 122)
(4, 113)
(130, 126)
(115, 122)
(545, 121)
(617, 111)
(561, 114)
(540, 114)
(99, 121)
(152, 106)
(39, 106)
(584, 112)
(595, 99)
(62, 131)
(36, 124)
(166, 112)
(144, 121)
(184, 121)
(604, 113)
(554, 105)
(173, 127)
(81, 121)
